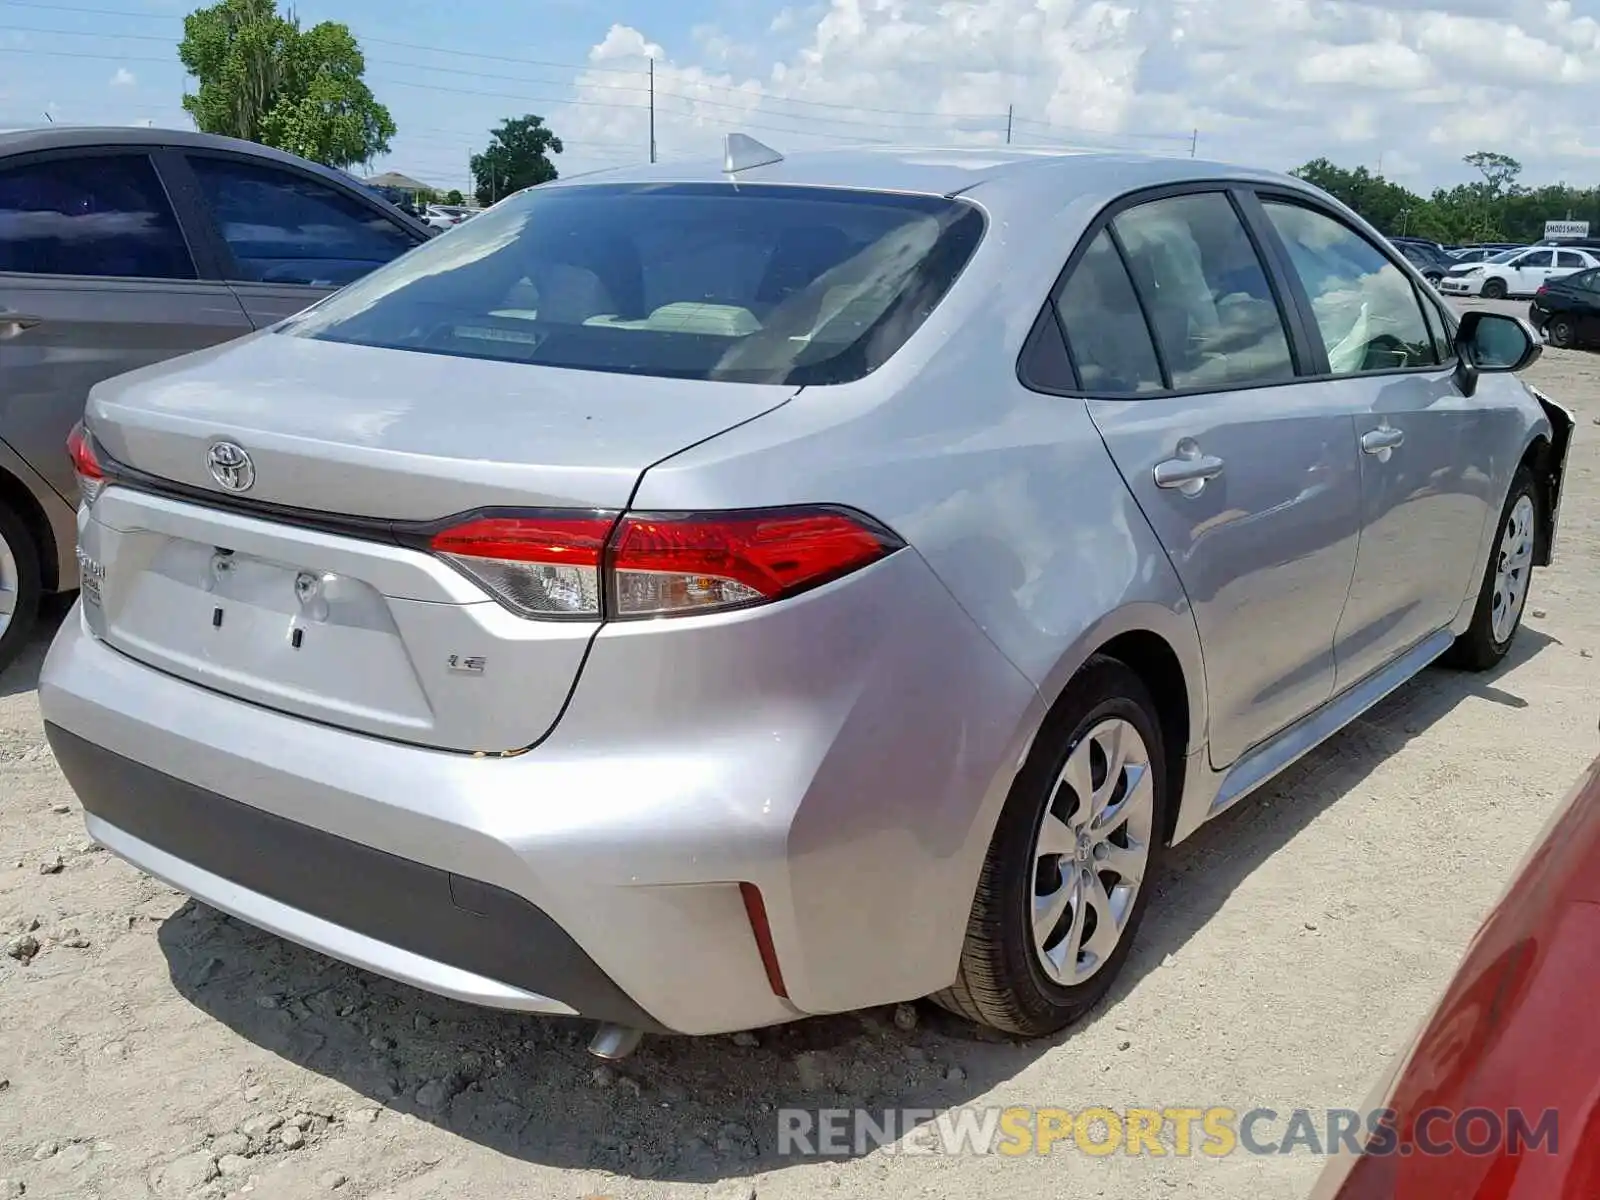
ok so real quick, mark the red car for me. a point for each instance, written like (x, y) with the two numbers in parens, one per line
(1499, 1096)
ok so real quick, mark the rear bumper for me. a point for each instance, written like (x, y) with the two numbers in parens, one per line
(600, 872)
(430, 928)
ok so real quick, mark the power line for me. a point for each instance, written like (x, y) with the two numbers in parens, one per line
(762, 101)
(591, 68)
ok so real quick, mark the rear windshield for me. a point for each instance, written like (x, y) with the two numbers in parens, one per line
(758, 284)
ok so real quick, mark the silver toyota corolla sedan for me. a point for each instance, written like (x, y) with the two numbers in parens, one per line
(696, 597)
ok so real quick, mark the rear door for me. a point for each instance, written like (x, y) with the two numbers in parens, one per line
(96, 278)
(1526, 274)
(1424, 499)
(285, 238)
(1246, 473)
(1568, 262)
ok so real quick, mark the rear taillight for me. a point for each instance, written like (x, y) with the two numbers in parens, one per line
(91, 476)
(664, 565)
(536, 564)
(558, 564)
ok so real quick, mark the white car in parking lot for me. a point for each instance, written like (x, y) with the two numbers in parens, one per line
(1516, 272)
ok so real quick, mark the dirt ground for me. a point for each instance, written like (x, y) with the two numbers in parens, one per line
(153, 1048)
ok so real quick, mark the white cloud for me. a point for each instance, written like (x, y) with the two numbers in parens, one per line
(123, 78)
(1268, 82)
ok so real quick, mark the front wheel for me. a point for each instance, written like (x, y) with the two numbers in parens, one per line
(1504, 592)
(1069, 871)
(1494, 289)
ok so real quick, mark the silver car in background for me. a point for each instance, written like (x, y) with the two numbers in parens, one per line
(696, 597)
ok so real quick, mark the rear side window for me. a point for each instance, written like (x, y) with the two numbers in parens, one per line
(1570, 259)
(1104, 326)
(1365, 307)
(1215, 318)
(748, 283)
(106, 215)
(283, 227)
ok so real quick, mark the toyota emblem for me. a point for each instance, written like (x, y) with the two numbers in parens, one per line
(231, 466)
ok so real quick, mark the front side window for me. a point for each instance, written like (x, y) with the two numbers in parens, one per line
(1439, 333)
(1104, 326)
(104, 215)
(1539, 258)
(283, 227)
(1366, 310)
(1212, 310)
(746, 283)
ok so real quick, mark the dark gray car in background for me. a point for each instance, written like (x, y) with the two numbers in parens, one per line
(123, 247)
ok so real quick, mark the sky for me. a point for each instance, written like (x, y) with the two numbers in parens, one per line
(1405, 87)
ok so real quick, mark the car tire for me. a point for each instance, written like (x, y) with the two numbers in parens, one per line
(1562, 333)
(1011, 977)
(1434, 277)
(21, 582)
(1503, 594)
(1494, 289)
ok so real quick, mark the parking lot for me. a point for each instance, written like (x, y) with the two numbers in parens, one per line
(154, 1048)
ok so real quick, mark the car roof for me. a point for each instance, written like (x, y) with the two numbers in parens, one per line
(67, 137)
(947, 171)
(71, 137)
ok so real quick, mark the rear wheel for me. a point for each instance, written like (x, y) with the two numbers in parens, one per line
(1068, 873)
(20, 584)
(1494, 289)
(1561, 332)
(1504, 592)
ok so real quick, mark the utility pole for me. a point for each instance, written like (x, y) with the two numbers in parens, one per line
(652, 110)
(1194, 142)
(1009, 109)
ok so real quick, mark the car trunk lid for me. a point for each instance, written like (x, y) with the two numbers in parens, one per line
(360, 431)
(298, 592)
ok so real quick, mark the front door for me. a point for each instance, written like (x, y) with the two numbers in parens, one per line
(1424, 500)
(96, 279)
(288, 238)
(1585, 305)
(1248, 477)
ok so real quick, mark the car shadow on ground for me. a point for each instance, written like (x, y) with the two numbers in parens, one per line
(23, 675)
(702, 1110)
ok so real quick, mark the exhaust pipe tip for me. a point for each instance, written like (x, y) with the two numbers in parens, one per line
(613, 1042)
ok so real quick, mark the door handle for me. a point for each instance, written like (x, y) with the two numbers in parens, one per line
(1380, 441)
(1188, 471)
(12, 323)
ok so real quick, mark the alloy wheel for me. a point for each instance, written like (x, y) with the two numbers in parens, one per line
(1513, 559)
(10, 584)
(1091, 850)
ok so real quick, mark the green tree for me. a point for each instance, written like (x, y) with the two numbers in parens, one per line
(1387, 205)
(263, 78)
(1496, 208)
(518, 156)
(454, 196)
(1499, 171)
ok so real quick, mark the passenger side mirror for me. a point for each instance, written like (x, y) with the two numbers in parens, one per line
(1494, 343)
